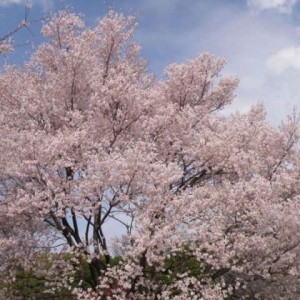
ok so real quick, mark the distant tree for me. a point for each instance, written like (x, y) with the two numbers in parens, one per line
(209, 204)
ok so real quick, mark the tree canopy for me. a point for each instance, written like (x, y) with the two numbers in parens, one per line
(89, 138)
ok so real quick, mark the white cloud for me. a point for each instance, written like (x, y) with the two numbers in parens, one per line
(8, 2)
(45, 4)
(284, 6)
(284, 59)
(229, 31)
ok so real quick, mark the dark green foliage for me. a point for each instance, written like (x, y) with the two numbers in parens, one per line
(29, 285)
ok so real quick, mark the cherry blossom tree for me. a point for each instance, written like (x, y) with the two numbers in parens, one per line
(91, 139)
(6, 40)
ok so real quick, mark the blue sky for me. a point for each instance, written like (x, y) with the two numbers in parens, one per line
(259, 38)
